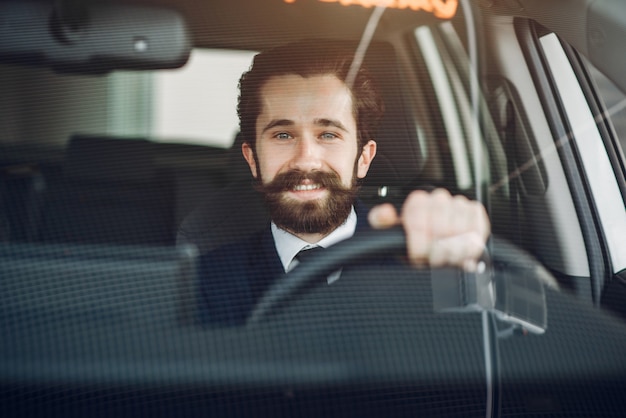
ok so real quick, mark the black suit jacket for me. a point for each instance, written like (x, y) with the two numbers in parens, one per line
(233, 277)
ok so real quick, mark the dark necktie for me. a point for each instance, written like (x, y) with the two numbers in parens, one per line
(307, 253)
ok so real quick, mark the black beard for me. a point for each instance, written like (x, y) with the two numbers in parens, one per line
(321, 216)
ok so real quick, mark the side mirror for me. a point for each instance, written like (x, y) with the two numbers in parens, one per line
(92, 37)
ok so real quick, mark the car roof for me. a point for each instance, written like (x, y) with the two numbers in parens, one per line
(588, 25)
(594, 27)
(260, 25)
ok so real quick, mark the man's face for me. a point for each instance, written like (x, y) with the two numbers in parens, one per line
(307, 151)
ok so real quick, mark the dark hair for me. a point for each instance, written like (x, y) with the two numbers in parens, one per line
(308, 58)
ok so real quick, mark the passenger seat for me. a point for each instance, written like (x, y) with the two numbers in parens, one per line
(110, 192)
(227, 214)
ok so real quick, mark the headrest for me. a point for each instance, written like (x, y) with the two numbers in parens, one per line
(109, 159)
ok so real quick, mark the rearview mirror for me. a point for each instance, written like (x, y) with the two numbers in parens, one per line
(91, 36)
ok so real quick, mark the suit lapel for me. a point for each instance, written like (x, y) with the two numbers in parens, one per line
(235, 276)
(264, 264)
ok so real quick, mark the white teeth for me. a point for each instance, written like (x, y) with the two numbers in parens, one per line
(306, 187)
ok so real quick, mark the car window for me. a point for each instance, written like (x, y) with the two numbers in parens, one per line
(198, 102)
(37, 109)
(195, 104)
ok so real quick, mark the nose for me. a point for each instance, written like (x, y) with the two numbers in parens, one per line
(307, 154)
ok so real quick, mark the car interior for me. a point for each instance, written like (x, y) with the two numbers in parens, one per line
(101, 227)
(55, 190)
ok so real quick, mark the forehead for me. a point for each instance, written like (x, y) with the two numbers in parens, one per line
(297, 95)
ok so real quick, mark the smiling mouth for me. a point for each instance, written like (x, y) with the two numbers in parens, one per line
(306, 187)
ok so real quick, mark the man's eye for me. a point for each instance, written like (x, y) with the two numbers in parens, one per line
(282, 135)
(328, 135)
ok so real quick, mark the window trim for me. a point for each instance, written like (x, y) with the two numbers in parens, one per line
(598, 109)
(602, 186)
(528, 33)
(586, 282)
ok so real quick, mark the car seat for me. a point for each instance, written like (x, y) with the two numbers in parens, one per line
(110, 192)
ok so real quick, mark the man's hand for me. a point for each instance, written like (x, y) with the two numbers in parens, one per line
(441, 229)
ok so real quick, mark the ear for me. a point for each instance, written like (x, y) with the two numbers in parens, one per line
(365, 159)
(248, 154)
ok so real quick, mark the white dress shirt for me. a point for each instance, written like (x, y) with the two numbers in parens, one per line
(289, 245)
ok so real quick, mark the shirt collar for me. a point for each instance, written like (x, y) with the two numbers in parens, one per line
(288, 245)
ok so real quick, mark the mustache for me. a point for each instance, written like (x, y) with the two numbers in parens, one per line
(290, 179)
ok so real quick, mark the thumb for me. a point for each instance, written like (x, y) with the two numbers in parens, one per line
(383, 216)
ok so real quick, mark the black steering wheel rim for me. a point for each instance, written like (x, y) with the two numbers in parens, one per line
(375, 243)
(368, 244)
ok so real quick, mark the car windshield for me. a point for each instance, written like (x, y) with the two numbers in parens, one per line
(150, 265)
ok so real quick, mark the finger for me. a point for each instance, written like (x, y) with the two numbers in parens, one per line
(462, 251)
(452, 216)
(416, 222)
(463, 217)
(460, 234)
(442, 214)
(383, 216)
(443, 230)
(481, 219)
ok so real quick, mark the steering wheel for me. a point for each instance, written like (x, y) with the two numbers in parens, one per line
(376, 243)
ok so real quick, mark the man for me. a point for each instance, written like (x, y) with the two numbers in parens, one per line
(308, 140)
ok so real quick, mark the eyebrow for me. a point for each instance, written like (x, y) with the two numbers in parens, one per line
(330, 122)
(278, 122)
(319, 122)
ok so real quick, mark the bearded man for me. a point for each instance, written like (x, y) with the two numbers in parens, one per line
(308, 140)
